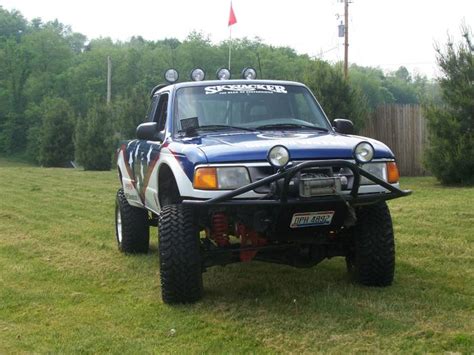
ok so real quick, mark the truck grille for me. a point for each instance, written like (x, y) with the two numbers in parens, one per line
(259, 172)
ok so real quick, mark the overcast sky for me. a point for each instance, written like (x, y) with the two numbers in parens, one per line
(383, 33)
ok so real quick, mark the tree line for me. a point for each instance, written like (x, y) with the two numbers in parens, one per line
(53, 85)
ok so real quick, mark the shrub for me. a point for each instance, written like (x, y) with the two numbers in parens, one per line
(55, 142)
(94, 139)
(450, 156)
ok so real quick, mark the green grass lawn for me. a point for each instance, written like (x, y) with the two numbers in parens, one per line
(64, 287)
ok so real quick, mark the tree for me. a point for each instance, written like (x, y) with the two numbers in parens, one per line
(47, 59)
(50, 56)
(337, 97)
(55, 136)
(94, 138)
(14, 73)
(403, 74)
(129, 112)
(450, 156)
(34, 56)
(401, 88)
(371, 82)
(12, 24)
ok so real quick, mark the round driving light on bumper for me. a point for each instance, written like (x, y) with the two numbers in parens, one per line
(223, 74)
(278, 156)
(249, 73)
(198, 74)
(363, 152)
(171, 76)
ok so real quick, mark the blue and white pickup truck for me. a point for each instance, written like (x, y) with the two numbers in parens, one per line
(240, 170)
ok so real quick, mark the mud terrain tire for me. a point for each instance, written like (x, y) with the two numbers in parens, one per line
(373, 259)
(132, 229)
(180, 255)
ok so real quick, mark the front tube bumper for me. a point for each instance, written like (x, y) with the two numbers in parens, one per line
(353, 197)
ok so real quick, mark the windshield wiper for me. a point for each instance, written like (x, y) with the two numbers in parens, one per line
(192, 131)
(212, 127)
(291, 126)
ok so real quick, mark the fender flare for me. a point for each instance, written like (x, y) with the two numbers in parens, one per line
(119, 173)
(167, 182)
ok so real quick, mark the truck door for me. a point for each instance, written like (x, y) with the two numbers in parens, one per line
(148, 155)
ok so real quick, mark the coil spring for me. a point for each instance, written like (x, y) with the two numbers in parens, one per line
(219, 229)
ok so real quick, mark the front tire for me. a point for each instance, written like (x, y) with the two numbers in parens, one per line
(373, 257)
(180, 255)
(132, 229)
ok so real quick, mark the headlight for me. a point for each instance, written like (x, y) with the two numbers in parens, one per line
(363, 152)
(198, 74)
(222, 178)
(385, 171)
(171, 76)
(232, 178)
(377, 169)
(278, 156)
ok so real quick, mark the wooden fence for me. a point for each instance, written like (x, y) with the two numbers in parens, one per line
(403, 129)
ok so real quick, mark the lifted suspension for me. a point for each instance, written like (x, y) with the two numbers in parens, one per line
(249, 238)
(219, 229)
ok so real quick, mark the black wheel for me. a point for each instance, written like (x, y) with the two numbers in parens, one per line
(131, 226)
(180, 255)
(372, 261)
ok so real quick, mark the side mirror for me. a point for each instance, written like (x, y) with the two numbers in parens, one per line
(343, 126)
(149, 131)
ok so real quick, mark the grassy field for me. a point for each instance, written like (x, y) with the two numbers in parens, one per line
(64, 287)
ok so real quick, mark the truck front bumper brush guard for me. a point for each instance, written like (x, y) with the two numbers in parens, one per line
(282, 198)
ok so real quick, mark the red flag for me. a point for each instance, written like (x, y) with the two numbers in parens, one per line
(232, 18)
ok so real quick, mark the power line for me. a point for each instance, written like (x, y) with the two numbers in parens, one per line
(321, 53)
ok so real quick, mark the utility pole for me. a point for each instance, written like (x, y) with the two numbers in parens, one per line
(109, 79)
(346, 39)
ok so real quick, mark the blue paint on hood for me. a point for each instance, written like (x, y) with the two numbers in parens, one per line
(231, 147)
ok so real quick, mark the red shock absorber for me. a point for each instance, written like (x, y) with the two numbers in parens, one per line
(219, 229)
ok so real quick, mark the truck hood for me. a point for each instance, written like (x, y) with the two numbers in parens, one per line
(254, 146)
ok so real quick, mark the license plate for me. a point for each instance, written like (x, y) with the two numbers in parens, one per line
(311, 219)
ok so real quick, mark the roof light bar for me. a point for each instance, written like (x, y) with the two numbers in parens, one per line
(223, 74)
(171, 76)
(249, 73)
(197, 74)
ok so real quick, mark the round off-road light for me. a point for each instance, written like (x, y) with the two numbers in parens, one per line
(223, 74)
(249, 73)
(278, 156)
(363, 152)
(198, 74)
(171, 76)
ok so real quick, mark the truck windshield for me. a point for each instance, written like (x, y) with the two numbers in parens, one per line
(249, 106)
